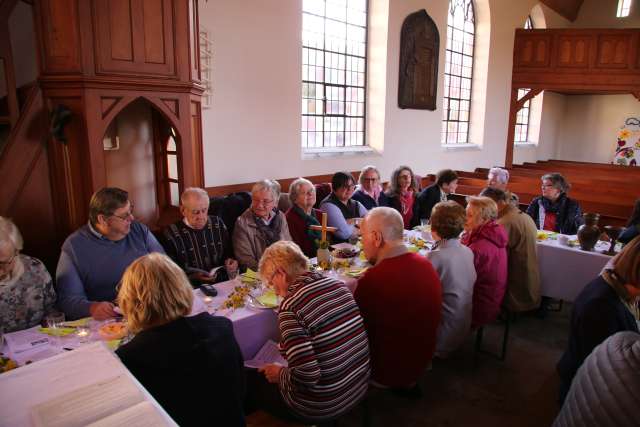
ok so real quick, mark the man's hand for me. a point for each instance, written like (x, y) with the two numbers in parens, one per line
(271, 372)
(102, 310)
(203, 277)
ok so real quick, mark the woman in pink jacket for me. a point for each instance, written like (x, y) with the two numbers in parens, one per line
(488, 241)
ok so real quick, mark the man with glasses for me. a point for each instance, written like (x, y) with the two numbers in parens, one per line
(199, 242)
(260, 225)
(94, 257)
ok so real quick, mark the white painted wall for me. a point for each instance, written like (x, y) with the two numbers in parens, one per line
(602, 14)
(591, 125)
(252, 130)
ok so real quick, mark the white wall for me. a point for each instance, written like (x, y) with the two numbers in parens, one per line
(252, 130)
(591, 126)
(132, 167)
(602, 14)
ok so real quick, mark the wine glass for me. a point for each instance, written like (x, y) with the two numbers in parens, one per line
(613, 232)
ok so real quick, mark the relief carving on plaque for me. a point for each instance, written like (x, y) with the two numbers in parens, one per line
(419, 49)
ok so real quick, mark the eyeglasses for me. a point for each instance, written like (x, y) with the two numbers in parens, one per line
(9, 261)
(265, 202)
(126, 217)
(370, 179)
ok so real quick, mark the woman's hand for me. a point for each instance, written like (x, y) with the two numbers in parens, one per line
(271, 372)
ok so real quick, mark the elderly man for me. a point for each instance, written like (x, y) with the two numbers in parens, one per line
(523, 278)
(199, 242)
(498, 178)
(260, 225)
(400, 299)
(94, 257)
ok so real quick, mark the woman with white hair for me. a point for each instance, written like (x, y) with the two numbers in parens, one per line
(369, 191)
(323, 340)
(259, 226)
(488, 241)
(184, 361)
(26, 288)
(302, 215)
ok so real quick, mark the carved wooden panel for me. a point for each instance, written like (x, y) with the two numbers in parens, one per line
(134, 37)
(194, 41)
(534, 51)
(572, 51)
(60, 36)
(613, 51)
(419, 50)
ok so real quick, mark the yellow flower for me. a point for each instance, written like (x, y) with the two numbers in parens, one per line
(624, 134)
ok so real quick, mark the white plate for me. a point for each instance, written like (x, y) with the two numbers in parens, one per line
(256, 305)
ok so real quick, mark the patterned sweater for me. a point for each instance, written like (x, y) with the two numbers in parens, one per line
(326, 347)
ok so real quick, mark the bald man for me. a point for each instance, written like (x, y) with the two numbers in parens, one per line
(400, 299)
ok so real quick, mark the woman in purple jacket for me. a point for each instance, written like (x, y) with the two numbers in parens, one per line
(488, 241)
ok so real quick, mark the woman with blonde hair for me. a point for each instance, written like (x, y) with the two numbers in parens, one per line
(369, 190)
(488, 241)
(607, 305)
(184, 362)
(323, 340)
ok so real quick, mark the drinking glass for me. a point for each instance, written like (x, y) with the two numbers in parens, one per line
(232, 274)
(54, 321)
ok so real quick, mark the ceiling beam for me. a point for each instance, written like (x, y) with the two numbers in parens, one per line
(567, 8)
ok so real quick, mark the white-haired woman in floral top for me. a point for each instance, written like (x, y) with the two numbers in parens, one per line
(26, 289)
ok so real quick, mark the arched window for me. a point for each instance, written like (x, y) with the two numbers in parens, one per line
(624, 6)
(334, 59)
(528, 24)
(524, 115)
(458, 72)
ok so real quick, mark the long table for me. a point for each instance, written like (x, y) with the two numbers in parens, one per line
(565, 271)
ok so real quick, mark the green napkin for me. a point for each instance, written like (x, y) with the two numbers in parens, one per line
(250, 276)
(58, 332)
(77, 323)
(413, 248)
(268, 299)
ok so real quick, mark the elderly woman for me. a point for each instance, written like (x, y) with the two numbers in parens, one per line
(184, 361)
(325, 377)
(402, 195)
(342, 211)
(26, 291)
(454, 264)
(369, 191)
(259, 226)
(607, 305)
(301, 215)
(554, 211)
(488, 241)
(523, 282)
(446, 183)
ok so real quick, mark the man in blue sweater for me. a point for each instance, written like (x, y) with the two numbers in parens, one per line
(95, 256)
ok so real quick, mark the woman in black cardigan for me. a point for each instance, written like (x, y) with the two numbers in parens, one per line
(186, 363)
(554, 210)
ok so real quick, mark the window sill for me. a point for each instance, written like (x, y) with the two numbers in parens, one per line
(318, 153)
(525, 144)
(461, 147)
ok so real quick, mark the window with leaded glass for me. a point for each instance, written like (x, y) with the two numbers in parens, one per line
(528, 24)
(458, 72)
(624, 6)
(334, 73)
(522, 119)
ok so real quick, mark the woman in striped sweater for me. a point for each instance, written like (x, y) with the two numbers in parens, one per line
(323, 339)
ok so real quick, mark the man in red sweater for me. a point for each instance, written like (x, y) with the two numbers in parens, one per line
(400, 299)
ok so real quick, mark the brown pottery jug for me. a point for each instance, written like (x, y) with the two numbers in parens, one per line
(588, 233)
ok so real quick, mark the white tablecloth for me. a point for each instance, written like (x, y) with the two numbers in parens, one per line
(565, 271)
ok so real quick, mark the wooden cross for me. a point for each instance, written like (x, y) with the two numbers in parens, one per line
(323, 228)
